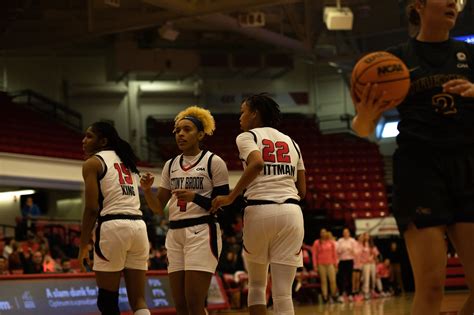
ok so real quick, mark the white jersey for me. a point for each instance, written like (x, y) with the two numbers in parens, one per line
(118, 186)
(195, 177)
(282, 158)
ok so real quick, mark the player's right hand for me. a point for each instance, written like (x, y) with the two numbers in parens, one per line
(371, 105)
(146, 181)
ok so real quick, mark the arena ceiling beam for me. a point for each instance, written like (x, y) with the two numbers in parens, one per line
(228, 23)
(200, 7)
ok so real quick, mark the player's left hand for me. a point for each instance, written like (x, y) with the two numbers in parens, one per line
(184, 195)
(459, 86)
(220, 201)
(84, 259)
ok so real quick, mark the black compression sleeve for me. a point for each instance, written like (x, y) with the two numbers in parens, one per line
(205, 202)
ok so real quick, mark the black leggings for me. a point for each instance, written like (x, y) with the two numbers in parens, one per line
(344, 276)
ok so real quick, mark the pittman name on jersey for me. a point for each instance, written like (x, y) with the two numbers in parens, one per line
(278, 169)
(189, 182)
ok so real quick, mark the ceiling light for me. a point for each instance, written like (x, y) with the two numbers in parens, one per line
(338, 18)
(168, 32)
(6, 195)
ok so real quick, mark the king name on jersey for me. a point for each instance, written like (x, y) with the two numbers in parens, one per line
(278, 169)
(127, 190)
(195, 183)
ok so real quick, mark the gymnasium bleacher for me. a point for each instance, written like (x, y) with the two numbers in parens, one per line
(28, 131)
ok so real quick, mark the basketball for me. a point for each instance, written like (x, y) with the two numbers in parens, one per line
(385, 69)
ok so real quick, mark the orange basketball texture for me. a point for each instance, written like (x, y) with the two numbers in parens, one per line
(385, 69)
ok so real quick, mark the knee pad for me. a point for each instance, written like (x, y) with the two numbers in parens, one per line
(283, 305)
(142, 311)
(107, 302)
(256, 295)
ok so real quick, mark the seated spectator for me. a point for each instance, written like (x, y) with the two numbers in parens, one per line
(2, 248)
(14, 259)
(49, 264)
(237, 228)
(229, 262)
(32, 262)
(4, 266)
(8, 247)
(72, 248)
(66, 265)
(42, 241)
(158, 258)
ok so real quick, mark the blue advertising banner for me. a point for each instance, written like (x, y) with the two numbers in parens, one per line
(59, 294)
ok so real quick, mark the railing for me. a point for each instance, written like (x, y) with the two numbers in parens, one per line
(6, 229)
(335, 123)
(58, 111)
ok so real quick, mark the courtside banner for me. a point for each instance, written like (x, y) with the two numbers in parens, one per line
(377, 226)
(76, 294)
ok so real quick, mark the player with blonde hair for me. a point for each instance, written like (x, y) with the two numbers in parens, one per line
(189, 181)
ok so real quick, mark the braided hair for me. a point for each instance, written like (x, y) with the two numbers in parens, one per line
(114, 142)
(269, 109)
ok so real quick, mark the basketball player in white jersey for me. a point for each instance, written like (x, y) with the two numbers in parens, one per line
(274, 182)
(111, 198)
(189, 182)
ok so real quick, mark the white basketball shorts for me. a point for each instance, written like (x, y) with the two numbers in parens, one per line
(123, 244)
(193, 248)
(274, 234)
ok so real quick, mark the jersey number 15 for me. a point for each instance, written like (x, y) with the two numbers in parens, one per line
(124, 174)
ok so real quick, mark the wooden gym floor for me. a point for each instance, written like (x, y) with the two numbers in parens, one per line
(399, 305)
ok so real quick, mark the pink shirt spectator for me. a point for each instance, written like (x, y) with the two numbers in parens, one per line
(357, 252)
(346, 248)
(324, 253)
(383, 271)
(368, 254)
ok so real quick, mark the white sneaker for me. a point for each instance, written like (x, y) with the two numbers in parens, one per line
(340, 299)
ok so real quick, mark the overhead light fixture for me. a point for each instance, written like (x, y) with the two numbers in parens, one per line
(7, 195)
(113, 3)
(338, 18)
(168, 32)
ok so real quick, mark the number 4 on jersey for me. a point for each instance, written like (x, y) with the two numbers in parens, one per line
(182, 205)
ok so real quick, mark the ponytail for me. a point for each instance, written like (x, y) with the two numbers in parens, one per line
(126, 154)
(121, 147)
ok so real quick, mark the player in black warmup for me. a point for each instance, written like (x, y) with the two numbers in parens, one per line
(434, 163)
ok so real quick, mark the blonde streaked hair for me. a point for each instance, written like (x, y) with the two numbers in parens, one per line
(201, 114)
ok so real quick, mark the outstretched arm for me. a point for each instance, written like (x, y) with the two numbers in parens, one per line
(254, 167)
